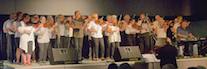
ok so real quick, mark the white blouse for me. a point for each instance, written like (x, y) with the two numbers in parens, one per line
(161, 32)
(70, 32)
(92, 25)
(25, 38)
(114, 36)
(130, 29)
(43, 38)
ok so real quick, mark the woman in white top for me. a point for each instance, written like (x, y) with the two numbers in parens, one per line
(43, 39)
(69, 30)
(114, 35)
(96, 34)
(160, 31)
(52, 35)
(27, 43)
(61, 32)
(17, 24)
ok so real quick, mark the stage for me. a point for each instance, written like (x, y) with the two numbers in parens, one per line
(89, 64)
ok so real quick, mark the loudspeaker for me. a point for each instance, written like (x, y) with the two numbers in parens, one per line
(124, 53)
(63, 56)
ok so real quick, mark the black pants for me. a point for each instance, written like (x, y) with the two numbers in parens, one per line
(35, 54)
(144, 42)
(131, 39)
(63, 42)
(52, 44)
(17, 42)
(11, 48)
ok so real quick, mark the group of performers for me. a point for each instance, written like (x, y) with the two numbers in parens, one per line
(25, 34)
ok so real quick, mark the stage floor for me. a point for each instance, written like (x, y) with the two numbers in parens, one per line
(89, 64)
(85, 64)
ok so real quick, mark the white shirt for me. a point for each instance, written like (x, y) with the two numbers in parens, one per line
(105, 33)
(176, 25)
(86, 32)
(144, 25)
(52, 34)
(114, 36)
(161, 32)
(70, 32)
(155, 24)
(25, 38)
(130, 29)
(96, 27)
(61, 29)
(17, 24)
(9, 24)
(22, 24)
(43, 38)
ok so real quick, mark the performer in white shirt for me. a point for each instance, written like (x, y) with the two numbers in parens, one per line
(43, 39)
(97, 36)
(114, 36)
(70, 30)
(123, 25)
(177, 23)
(156, 23)
(8, 28)
(17, 24)
(27, 43)
(52, 35)
(131, 32)
(61, 31)
(160, 31)
(35, 20)
(144, 36)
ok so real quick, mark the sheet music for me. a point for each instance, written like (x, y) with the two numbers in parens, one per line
(150, 58)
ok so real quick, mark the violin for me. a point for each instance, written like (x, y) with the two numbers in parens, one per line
(100, 22)
(48, 25)
(35, 25)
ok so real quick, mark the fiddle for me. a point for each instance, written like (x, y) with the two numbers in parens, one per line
(100, 22)
(48, 25)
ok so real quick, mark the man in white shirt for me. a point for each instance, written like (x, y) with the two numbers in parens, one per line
(144, 36)
(156, 23)
(131, 33)
(8, 28)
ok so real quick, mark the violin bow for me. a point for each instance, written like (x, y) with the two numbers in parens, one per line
(119, 19)
(134, 16)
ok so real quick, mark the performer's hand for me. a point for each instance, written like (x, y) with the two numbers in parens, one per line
(82, 28)
(95, 31)
(115, 31)
(42, 32)
(41, 25)
(56, 32)
(192, 36)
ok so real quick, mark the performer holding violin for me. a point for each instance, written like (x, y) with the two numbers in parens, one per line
(131, 31)
(114, 36)
(61, 32)
(69, 30)
(144, 36)
(35, 20)
(78, 34)
(52, 35)
(96, 33)
(123, 25)
(160, 31)
(43, 39)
